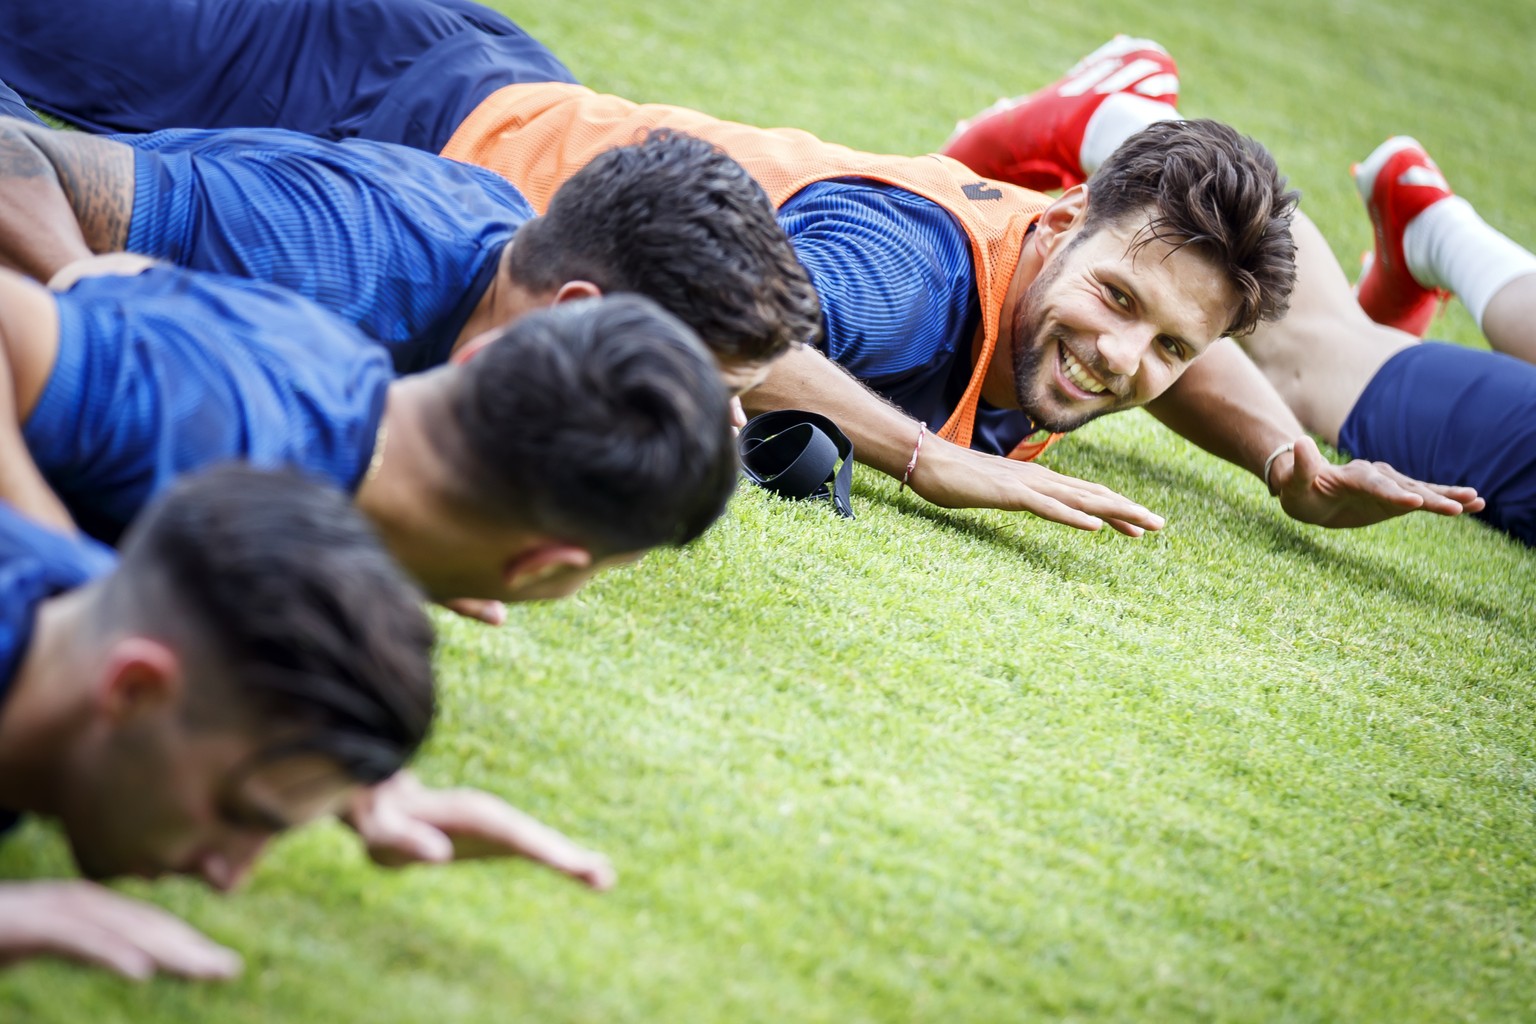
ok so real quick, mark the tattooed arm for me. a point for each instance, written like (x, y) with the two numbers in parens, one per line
(63, 196)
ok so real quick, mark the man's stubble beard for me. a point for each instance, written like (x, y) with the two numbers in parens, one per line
(1030, 345)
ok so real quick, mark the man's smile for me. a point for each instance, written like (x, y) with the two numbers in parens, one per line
(1080, 383)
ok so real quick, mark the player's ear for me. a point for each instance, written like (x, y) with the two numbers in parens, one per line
(573, 290)
(543, 561)
(141, 676)
(1060, 221)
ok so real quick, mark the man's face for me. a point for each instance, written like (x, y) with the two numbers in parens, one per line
(159, 796)
(1107, 326)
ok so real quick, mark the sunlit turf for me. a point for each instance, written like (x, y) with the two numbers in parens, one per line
(942, 766)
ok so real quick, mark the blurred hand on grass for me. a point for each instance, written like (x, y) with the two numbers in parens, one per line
(404, 822)
(83, 922)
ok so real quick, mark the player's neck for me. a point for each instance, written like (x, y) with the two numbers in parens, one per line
(403, 494)
(46, 708)
(503, 301)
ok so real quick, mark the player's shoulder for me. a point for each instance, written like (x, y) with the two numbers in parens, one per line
(170, 305)
(878, 197)
(36, 561)
(890, 232)
(866, 212)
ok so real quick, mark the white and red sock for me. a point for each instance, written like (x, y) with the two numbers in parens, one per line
(1120, 116)
(1449, 246)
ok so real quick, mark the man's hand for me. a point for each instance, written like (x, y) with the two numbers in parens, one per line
(1314, 490)
(492, 613)
(956, 477)
(946, 474)
(83, 922)
(404, 822)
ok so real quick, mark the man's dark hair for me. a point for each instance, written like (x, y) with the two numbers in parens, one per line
(275, 583)
(1216, 191)
(676, 220)
(602, 422)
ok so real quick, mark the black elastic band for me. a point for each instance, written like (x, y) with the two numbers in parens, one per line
(795, 454)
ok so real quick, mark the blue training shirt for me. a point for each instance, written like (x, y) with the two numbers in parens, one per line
(170, 371)
(400, 242)
(35, 564)
(898, 298)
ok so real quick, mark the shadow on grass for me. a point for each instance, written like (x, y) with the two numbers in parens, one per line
(1043, 556)
(1239, 518)
(1259, 519)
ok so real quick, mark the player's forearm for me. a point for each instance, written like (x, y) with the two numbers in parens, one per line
(948, 475)
(27, 320)
(1224, 404)
(883, 436)
(22, 485)
(39, 232)
(81, 921)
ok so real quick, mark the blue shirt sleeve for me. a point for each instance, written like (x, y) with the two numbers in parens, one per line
(138, 395)
(35, 564)
(401, 243)
(12, 106)
(894, 272)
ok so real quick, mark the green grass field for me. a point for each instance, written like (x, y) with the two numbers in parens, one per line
(969, 766)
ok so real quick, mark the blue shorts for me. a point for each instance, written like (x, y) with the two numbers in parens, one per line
(404, 71)
(1451, 415)
(11, 106)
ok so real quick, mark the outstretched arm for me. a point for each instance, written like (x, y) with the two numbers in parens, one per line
(83, 922)
(1224, 404)
(946, 474)
(63, 196)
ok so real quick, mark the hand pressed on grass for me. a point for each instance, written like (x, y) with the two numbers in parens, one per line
(404, 822)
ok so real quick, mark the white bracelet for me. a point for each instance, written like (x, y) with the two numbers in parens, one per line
(1269, 463)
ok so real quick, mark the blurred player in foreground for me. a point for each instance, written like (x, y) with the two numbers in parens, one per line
(253, 661)
(577, 438)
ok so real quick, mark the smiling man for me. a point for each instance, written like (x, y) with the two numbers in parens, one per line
(989, 315)
(999, 319)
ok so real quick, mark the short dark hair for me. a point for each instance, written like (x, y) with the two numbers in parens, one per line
(1210, 188)
(675, 219)
(280, 584)
(599, 421)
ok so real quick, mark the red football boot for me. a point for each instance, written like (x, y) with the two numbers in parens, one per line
(1398, 182)
(1036, 140)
